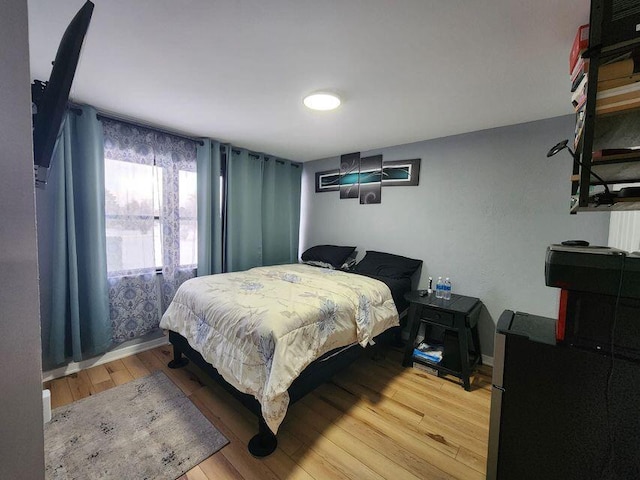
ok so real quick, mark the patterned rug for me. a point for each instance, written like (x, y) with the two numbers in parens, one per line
(144, 429)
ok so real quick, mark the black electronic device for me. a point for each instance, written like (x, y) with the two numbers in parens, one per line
(600, 289)
(575, 243)
(613, 22)
(50, 98)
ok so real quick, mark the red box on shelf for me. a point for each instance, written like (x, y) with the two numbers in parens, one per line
(580, 44)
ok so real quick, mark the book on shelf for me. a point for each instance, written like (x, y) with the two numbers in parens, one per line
(618, 98)
(619, 69)
(580, 44)
(429, 352)
(615, 154)
(577, 134)
(620, 106)
(618, 82)
(579, 96)
(580, 70)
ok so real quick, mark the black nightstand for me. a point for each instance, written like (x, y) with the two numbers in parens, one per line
(458, 316)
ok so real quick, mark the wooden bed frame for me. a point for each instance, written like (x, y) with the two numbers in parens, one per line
(317, 373)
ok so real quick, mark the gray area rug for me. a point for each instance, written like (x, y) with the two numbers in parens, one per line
(144, 429)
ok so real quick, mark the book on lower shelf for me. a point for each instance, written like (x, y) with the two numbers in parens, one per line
(618, 98)
(616, 70)
(608, 154)
(429, 352)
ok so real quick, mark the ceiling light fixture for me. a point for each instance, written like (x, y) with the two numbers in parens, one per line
(322, 101)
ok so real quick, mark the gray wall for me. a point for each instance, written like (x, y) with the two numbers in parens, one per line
(21, 438)
(488, 205)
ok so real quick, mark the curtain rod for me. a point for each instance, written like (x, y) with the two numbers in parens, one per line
(224, 146)
(149, 127)
(78, 111)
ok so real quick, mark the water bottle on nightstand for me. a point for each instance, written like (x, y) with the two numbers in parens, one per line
(446, 290)
(439, 286)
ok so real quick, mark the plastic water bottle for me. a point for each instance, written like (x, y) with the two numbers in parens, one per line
(446, 289)
(439, 287)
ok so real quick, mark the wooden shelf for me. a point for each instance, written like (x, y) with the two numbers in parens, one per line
(620, 205)
(615, 171)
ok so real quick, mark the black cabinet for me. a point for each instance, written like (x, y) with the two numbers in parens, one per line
(458, 317)
(559, 411)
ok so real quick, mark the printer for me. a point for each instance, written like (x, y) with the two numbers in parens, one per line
(599, 297)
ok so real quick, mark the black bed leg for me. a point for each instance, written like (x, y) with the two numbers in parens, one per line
(178, 360)
(265, 442)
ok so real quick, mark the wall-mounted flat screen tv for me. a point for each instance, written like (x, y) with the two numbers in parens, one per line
(50, 98)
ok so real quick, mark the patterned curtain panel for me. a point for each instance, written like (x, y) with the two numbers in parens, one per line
(178, 215)
(151, 211)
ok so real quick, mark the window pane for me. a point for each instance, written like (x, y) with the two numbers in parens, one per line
(188, 212)
(131, 205)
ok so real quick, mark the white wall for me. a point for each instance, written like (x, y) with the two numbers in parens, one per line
(488, 205)
(624, 231)
(21, 437)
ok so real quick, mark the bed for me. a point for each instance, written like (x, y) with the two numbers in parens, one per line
(270, 335)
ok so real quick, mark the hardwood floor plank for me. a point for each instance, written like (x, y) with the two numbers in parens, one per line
(135, 367)
(461, 433)
(235, 452)
(118, 372)
(80, 385)
(244, 425)
(349, 443)
(376, 440)
(102, 386)
(60, 393)
(431, 402)
(98, 374)
(371, 401)
(379, 418)
(472, 459)
(217, 467)
(184, 378)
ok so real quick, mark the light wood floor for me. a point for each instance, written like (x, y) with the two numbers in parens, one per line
(375, 420)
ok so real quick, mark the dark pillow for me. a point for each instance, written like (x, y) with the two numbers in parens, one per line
(331, 254)
(387, 265)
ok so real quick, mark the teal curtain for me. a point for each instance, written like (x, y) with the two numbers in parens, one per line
(263, 210)
(243, 247)
(80, 325)
(210, 239)
(280, 211)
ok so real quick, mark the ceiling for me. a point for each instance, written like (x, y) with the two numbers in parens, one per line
(237, 70)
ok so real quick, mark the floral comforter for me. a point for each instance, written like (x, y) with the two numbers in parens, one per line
(260, 328)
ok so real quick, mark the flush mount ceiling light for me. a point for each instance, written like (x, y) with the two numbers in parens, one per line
(322, 101)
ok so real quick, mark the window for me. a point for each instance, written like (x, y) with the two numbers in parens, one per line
(187, 212)
(132, 208)
(150, 200)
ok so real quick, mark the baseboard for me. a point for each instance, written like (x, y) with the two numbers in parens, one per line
(116, 354)
(487, 360)
(46, 405)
